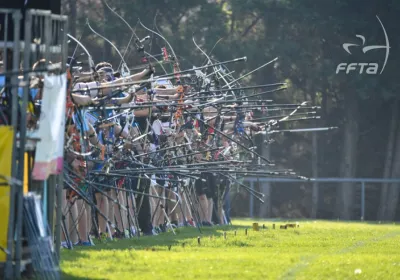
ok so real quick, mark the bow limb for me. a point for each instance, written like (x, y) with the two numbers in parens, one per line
(178, 113)
(162, 37)
(217, 72)
(179, 200)
(219, 40)
(92, 71)
(293, 112)
(118, 15)
(137, 39)
(158, 62)
(90, 59)
(124, 68)
(159, 32)
(272, 123)
(218, 122)
(207, 57)
(139, 48)
(203, 52)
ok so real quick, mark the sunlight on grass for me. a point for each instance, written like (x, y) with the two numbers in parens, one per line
(314, 250)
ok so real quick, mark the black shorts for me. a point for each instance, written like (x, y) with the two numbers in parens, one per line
(199, 187)
(208, 187)
(160, 181)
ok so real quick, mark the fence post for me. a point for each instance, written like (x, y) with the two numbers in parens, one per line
(251, 206)
(21, 151)
(14, 67)
(362, 200)
(314, 164)
(314, 206)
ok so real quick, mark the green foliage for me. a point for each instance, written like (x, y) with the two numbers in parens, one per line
(306, 36)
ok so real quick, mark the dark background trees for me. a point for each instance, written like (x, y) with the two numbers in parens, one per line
(307, 36)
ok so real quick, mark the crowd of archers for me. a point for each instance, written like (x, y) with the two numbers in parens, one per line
(145, 154)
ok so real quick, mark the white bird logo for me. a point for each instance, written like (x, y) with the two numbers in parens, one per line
(365, 49)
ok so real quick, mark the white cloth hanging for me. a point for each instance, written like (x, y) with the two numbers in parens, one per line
(50, 148)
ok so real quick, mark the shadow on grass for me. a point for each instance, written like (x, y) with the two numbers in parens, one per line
(189, 235)
(183, 235)
(146, 243)
(66, 276)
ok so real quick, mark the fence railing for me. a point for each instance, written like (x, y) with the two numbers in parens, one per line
(46, 34)
(361, 181)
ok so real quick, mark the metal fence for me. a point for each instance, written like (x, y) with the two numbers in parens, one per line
(44, 38)
(10, 56)
(315, 183)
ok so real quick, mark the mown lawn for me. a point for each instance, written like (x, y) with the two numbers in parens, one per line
(314, 250)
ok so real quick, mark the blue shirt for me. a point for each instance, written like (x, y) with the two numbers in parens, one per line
(33, 91)
(107, 142)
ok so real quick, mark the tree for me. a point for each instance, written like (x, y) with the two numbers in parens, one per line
(307, 37)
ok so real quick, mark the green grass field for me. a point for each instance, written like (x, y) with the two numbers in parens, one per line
(314, 250)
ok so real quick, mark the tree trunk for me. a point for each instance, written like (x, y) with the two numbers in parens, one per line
(393, 192)
(348, 167)
(314, 163)
(72, 17)
(106, 46)
(382, 215)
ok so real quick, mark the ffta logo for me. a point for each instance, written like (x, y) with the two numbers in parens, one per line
(370, 68)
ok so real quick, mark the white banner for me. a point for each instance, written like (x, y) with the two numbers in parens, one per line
(50, 148)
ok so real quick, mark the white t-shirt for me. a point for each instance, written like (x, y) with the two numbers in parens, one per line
(161, 127)
(87, 89)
